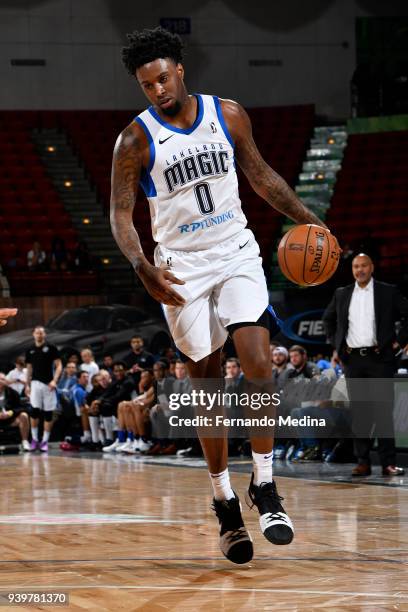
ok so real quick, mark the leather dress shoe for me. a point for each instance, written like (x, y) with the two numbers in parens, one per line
(393, 470)
(361, 470)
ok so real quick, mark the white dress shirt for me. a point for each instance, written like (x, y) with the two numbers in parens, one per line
(361, 317)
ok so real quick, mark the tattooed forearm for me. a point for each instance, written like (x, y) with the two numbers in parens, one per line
(126, 169)
(265, 181)
(275, 190)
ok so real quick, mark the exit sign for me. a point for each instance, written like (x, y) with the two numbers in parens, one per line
(176, 25)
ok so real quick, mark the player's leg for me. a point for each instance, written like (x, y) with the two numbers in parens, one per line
(252, 345)
(235, 541)
(48, 423)
(23, 423)
(35, 401)
(48, 405)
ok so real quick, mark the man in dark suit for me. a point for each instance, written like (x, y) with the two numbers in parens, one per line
(360, 325)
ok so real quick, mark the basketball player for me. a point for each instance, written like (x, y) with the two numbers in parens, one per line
(182, 150)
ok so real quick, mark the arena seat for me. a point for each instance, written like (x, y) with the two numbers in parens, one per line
(30, 207)
(372, 192)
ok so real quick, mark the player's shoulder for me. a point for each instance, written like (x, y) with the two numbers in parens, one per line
(231, 106)
(131, 136)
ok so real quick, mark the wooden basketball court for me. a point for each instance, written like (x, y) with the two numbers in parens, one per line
(121, 534)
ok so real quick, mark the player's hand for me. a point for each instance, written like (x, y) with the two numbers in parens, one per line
(5, 313)
(27, 390)
(52, 385)
(158, 284)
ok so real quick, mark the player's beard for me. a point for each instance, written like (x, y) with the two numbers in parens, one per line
(172, 111)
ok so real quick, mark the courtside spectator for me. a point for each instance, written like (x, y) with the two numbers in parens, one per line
(107, 363)
(138, 359)
(11, 414)
(44, 368)
(160, 411)
(100, 383)
(88, 365)
(66, 385)
(118, 391)
(79, 394)
(280, 366)
(17, 378)
(300, 363)
(134, 417)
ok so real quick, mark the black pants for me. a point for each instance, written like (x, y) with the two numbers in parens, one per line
(372, 405)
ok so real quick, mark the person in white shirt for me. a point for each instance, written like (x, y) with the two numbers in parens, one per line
(88, 365)
(17, 378)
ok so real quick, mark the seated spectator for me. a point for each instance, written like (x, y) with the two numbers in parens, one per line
(322, 362)
(301, 365)
(36, 258)
(134, 417)
(88, 365)
(336, 415)
(172, 367)
(17, 378)
(81, 258)
(59, 255)
(160, 411)
(79, 394)
(11, 414)
(66, 386)
(280, 366)
(100, 382)
(119, 390)
(74, 358)
(107, 363)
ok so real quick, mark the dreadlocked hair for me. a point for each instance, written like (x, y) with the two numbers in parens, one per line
(148, 45)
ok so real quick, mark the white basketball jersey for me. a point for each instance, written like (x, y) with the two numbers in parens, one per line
(191, 182)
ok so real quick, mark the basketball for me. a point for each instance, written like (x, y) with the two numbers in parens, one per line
(308, 255)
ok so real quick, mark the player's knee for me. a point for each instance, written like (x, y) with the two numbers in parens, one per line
(35, 413)
(258, 368)
(23, 418)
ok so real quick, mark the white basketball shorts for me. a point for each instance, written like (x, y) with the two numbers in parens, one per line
(42, 397)
(223, 285)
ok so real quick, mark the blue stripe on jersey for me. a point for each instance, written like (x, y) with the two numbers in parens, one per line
(275, 324)
(222, 120)
(146, 180)
(173, 128)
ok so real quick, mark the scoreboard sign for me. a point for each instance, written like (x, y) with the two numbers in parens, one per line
(176, 25)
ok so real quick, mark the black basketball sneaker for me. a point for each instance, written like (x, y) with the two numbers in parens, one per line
(235, 541)
(275, 523)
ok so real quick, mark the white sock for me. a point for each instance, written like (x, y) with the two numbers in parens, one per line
(107, 421)
(46, 436)
(221, 485)
(87, 436)
(94, 425)
(262, 467)
(34, 433)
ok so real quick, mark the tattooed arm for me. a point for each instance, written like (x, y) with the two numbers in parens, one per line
(264, 180)
(129, 157)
